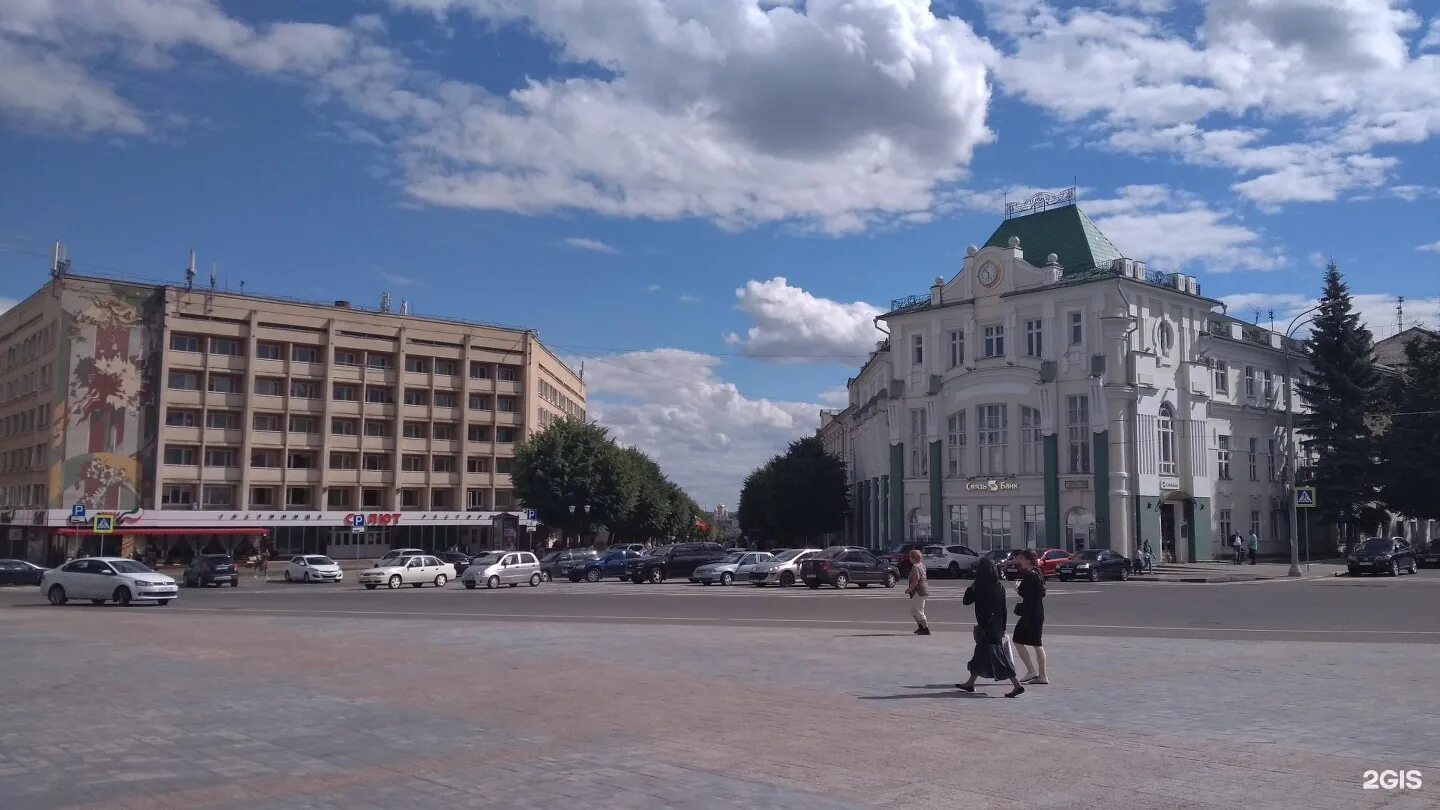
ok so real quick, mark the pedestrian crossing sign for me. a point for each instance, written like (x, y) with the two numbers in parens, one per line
(104, 524)
(1305, 497)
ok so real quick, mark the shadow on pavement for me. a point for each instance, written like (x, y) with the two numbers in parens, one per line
(952, 693)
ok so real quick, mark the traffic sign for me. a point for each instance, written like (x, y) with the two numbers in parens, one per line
(357, 523)
(1305, 497)
(530, 515)
(103, 524)
(77, 513)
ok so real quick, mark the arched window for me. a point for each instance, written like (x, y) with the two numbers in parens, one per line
(1165, 336)
(1165, 425)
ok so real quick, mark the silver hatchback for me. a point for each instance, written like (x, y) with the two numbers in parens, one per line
(503, 568)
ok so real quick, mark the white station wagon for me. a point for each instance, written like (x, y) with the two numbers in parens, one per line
(103, 579)
(413, 571)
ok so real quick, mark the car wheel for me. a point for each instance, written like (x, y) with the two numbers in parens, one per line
(889, 581)
(1094, 575)
(56, 595)
(235, 583)
(954, 570)
(1414, 568)
(814, 586)
(394, 582)
(305, 577)
(122, 596)
(657, 576)
(534, 580)
(440, 580)
(841, 581)
(727, 578)
(1125, 574)
(493, 582)
(593, 575)
(545, 576)
(787, 578)
(97, 601)
(1394, 569)
(287, 576)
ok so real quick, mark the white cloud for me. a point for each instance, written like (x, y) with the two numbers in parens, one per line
(1432, 36)
(399, 280)
(793, 326)
(6, 303)
(1332, 80)
(1173, 230)
(702, 431)
(652, 288)
(592, 245)
(687, 298)
(1377, 310)
(1432, 247)
(835, 398)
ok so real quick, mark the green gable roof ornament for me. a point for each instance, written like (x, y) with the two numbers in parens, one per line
(1051, 224)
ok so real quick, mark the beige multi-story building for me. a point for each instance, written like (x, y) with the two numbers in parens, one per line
(183, 413)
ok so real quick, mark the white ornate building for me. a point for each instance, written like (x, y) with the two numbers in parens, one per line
(1055, 393)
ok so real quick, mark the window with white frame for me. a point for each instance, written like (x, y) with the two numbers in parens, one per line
(919, 449)
(1165, 428)
(1254, 453)
(994, 527)
(1227, 528)
(1222, 457)
(955, 444)
(1032, 442)
(992, 438)
(917, 350)
(1222, 377)
(1077, 328)
(1034, 338)
(1269, 384)
(957, 348)
(1165, 338)
(1033, 526)
(1077, 423)
(1250, 381)
(959, 531)
(1255, 522)
(995, 340)
(1270, 460)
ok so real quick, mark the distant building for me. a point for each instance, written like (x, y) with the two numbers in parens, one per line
(834, 432)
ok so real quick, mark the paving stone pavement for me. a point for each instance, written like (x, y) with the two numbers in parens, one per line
(110, 708)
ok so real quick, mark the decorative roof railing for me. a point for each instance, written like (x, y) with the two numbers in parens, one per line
(1040, 201)
(909, 302)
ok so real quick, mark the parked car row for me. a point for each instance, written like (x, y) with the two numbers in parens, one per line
(1386, 555)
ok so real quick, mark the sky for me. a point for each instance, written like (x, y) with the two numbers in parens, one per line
(707, 202)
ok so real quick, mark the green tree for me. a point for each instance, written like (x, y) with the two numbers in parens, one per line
(1410, 477)
(650, 513)
(572, 463)
(1341, 389)
(797, 496)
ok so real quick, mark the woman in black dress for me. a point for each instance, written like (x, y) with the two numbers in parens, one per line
(990, 659)
(1031, 611)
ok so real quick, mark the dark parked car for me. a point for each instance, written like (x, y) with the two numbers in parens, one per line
(677, 560)
(1050, 559)
(210, 569)
(1429, 555)
(19, 572)
(898, 555)
(839, 566)
(639, 548)
(460, 560)
(609, 564)
(1094, 564)
(1383, 555)
(557, 564)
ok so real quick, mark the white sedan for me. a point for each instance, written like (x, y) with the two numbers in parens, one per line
(103, 579)
(312, 568)
(413, 571)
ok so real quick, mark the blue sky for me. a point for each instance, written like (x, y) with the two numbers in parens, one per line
(635, 179)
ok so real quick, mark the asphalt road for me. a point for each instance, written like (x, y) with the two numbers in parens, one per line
(1341, 609)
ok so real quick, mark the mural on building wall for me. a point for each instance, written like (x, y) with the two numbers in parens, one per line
(103, 437)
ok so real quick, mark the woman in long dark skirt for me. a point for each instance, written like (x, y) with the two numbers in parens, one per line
(1031, 611)
(989, 659)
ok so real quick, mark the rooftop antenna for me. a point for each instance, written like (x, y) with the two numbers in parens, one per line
(213, 270)
(59, 265)
(582, 371)
(385, 302)
(1272, 320)
(1257, 316)
(404, 307)
(242, 285)
(1400, 315)
(190, 272)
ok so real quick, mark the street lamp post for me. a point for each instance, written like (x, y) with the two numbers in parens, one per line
(1290, 453)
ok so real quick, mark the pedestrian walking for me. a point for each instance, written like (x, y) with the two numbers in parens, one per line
(990, 659)
(1237, 545)
(919, 591)
(1031, 611)
(1254, 546)
(1149, 554)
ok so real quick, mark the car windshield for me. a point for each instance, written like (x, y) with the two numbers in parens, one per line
(787, 556)
(659, 551)
(1087, 554)
(551, 557)
(733, 557)
(832, 553)
(217, 558)
(488, 559)
(933, 551)
(131, 567)
(1377, 544)
(319, 561)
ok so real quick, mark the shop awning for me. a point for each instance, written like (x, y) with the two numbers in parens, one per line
(249, 531)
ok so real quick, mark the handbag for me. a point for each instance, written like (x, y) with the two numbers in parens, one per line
(1018, 606)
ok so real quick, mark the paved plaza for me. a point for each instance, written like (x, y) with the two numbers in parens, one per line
(157, 707)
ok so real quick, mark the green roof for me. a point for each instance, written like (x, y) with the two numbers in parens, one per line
(1064, 231)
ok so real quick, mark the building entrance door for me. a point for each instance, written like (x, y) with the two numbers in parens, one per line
(1167, 532)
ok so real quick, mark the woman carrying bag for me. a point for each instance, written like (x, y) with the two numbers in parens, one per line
(991, 659)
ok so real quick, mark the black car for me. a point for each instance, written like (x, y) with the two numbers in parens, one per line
(210, 569)
(839, 566)
(19, 572)
(1429, 555)
(676, 560)
(558, 564)
(1383, 555)
(460, 560)
(1094, 564)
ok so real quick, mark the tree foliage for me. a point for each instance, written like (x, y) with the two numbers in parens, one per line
(1341, 389)
(796, 496)
(1410, 477)
(572, 463)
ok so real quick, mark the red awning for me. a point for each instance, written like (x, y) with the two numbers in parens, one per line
(252, 531)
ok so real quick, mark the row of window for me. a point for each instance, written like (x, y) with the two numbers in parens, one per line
(25, 458)
(993, 340)
(339, 425)
(1279, 524)
(274, 458)
(997, 530)
(1273, 462)
(39, 380)
(21, 495)
(992, 436)
(34, 345)
(1259, 382)
(300, 353)
(28, 420)
(567, 406)
(222, 496)
(342, 392)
